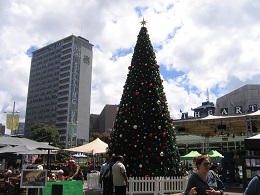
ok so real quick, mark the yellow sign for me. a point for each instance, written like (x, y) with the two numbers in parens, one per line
(13, 125)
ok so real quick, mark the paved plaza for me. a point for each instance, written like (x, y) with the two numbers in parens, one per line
(230, 190)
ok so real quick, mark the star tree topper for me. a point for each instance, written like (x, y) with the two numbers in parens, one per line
(143, 22)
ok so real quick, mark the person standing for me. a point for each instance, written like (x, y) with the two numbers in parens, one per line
(119, 176)
(106, 176)
(253, 187)
(204, 181)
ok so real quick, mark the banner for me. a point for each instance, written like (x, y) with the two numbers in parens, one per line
(15, 124)
(8, 121)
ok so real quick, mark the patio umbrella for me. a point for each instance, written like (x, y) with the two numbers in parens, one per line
(214, 154)
(17, 141)
(34, 151)
(190, 155)
(11, 149)
(79, 156)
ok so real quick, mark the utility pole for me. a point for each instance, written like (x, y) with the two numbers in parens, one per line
(12, 126)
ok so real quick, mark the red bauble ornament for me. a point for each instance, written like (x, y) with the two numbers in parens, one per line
(151, 135)
(164, 134)
(129, 67)
(110, 144)
(137, 93)
(150, 85)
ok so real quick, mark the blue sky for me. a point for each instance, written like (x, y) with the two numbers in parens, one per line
(199, 45)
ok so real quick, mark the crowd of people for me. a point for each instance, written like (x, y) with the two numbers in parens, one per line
(203, 180)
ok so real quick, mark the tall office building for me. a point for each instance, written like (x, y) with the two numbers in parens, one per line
(60, 87)
(105, 120)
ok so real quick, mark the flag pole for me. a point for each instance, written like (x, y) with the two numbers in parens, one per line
(12, 122)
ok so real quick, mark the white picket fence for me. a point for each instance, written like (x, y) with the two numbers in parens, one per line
(145, 185)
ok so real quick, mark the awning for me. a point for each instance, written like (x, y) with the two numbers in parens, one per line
(253, 143)
(214, 154)
(94, 147)
(190, 155)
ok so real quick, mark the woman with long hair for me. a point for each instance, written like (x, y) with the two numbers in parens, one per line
(204, 181)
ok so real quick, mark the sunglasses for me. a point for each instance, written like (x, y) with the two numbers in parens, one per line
(206, 164)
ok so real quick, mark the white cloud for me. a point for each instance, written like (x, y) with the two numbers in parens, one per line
(212, 44)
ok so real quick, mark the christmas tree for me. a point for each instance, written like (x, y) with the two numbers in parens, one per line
(143, 133)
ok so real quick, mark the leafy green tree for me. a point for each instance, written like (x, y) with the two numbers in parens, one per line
(102, 136)
(143, 133)
(45, 133)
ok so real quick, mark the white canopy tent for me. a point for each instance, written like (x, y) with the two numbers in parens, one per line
(95, 147)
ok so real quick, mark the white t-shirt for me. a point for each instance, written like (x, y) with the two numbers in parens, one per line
(118, 170)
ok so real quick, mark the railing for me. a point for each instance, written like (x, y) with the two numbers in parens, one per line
(144, 185)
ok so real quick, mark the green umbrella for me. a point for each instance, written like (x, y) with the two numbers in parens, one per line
(214, 154)
(190, 156)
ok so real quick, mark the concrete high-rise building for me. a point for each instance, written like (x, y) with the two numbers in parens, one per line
(60, 87)
(107, 117)
(105, 121)
(2, 129)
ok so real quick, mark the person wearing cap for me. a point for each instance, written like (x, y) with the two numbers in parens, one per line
(119, 176)
(60, 176)
(75, 173)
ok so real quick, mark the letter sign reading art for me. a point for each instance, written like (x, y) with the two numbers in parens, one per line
(252, 108)
(238, 110)
(224, 111)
